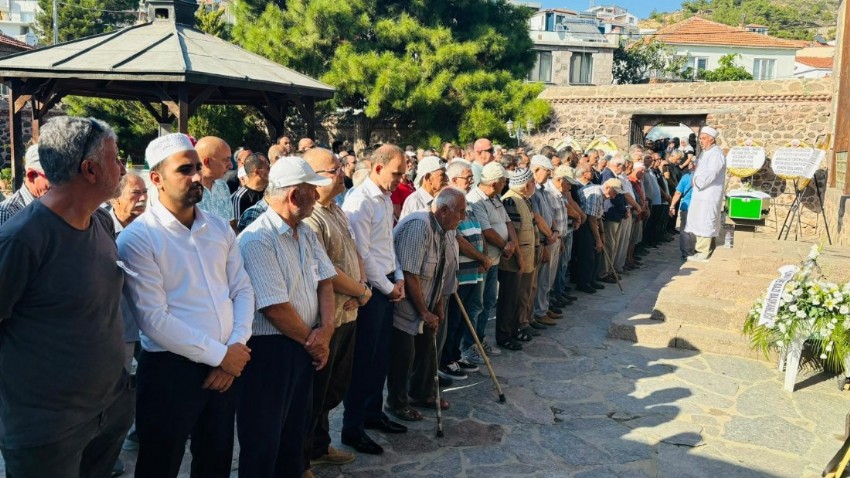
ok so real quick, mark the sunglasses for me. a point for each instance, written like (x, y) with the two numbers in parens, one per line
(94, 130)
(333, 171)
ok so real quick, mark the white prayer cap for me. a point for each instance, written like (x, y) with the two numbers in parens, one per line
(492, 171)
(161, 148)
(31, 159)
(427, 165)
(541, 161)
(292, 171)
(710, 131)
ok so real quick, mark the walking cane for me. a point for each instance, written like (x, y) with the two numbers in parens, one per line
(437, 388)
(613, 271)
(480, 347)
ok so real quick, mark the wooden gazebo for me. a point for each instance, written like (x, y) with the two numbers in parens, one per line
(166, 64)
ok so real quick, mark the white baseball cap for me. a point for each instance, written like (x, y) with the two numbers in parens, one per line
(31, 159)
(542, 161)
(292, 171)
(427, 165)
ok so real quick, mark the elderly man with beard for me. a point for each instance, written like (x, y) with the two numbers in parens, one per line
(67, 403)
(292, 278)
(707, 196)
(370, 211)
(351, 292)
(194, 304)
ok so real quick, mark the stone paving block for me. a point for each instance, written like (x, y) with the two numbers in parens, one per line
(766, 399)
(773, 433)
(529, 406)
(739, 368)
(573, 450)
(678, 462)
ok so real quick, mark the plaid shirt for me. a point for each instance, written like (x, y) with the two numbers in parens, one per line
(15, 203)
(592, 200)
(251, 214)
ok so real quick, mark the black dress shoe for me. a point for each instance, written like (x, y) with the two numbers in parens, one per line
(537, 325)
(586, 288)
(597, 285)
(445, 381)
(385, 425)
(363, 444)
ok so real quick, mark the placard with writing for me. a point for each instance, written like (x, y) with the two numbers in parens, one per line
(791, 163)
(774, 293)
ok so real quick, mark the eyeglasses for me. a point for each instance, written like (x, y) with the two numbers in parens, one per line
(489, 150)
(467, 179)
(94, 130)
(333, 171)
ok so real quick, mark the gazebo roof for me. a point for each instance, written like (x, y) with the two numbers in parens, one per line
(163, 51)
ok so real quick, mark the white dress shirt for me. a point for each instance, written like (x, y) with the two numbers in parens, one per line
(420, 200)
(187, 287)
(370, 212)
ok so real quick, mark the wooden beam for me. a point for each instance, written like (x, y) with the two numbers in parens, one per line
(16, 139)
(166, 99)
(21, 102)
(842, 98)
(153, 112)
(183, 111)
(201, 99)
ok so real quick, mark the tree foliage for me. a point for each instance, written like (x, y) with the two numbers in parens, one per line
(641, 60)
(727, 71)
(794, 19)
(446, 68)
(212, 22)
(82, 18)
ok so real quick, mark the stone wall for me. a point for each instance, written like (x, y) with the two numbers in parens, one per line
(771, 113)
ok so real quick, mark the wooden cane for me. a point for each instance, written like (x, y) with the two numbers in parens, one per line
(480, 347)
(437, 388)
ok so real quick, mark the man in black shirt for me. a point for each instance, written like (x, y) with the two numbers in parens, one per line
(65, 404)
(257, 178)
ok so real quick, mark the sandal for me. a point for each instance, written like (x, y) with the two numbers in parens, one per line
(432, 404)
(510, 345)
(407, 414)
(522, 336)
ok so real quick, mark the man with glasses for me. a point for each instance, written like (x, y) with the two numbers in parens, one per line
(215, 162)
(194, 305)
(35, 185)
(67, 403)
(370, 211)
(483, 152)
(351, 292)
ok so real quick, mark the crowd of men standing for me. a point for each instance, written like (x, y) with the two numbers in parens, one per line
(271, 292)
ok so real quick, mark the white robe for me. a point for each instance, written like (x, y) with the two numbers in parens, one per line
(707, 198)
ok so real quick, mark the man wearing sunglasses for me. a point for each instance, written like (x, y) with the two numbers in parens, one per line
(35, 185)
(483, 150)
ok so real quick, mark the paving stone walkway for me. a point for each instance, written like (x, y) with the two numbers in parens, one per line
(581, 405)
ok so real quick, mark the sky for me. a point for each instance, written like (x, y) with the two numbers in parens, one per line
(641, 8)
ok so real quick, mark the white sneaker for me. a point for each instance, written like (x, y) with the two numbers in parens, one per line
(471, 355)
(490, 350)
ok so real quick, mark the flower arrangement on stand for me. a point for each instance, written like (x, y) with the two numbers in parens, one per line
(810, 308)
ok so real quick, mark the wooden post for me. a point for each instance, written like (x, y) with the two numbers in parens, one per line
(310, 117)
(183, 103)
(16, 139)
(841, 72)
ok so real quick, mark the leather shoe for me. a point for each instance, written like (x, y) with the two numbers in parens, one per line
(586, 288)
(546, 321)
(597, 285)
(363, 444)
(609, 279)
(537, 325)
(385, 425)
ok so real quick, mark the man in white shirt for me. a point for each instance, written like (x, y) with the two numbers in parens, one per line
(194, 305)
(292, 278)
(430, 179)
(370, 211)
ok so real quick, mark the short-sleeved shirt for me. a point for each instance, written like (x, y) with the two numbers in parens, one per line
(685, 188)
(592, 200)
(559, 210)
(335, 234)
(217, 201)
(62, 358)
(470, 229)
(491, 214)
(284, 269)
(11, 206)
(244, 198)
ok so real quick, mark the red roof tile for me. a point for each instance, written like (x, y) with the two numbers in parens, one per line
(815, 62)
(7, 40)
(699, 31)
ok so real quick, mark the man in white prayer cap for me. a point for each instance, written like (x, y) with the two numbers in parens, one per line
(194, 305)
(707, 197)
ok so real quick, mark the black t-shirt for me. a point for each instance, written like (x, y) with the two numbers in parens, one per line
(61, 345)
(244, 198)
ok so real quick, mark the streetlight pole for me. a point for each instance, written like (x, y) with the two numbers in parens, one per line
(55, 22)
(519, 133)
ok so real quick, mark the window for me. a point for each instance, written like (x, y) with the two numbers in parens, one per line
(542, 70)
(697, 64)
(581, 68)
(764, 69)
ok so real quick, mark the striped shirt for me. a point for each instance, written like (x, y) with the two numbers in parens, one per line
(592, 200)
(244, 198)
(251, 214)
(560, 208)
(11, 206)
(217, 201)
(470, 229)
(284, 269)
